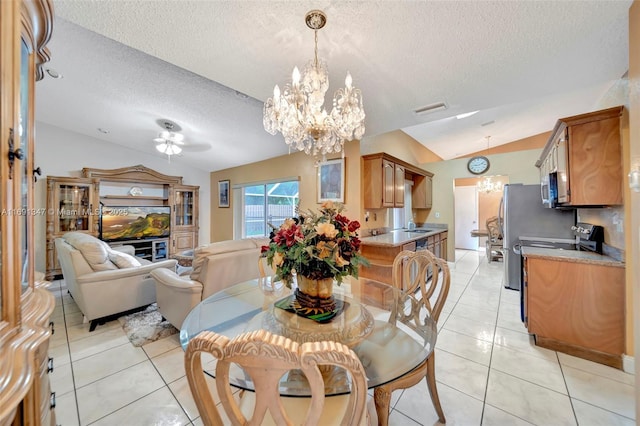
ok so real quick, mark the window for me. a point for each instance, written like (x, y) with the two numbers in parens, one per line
(401, 216)
(265, 204)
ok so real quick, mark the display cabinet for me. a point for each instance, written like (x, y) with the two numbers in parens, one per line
(72, 205)
(25, 304)
(185, 226)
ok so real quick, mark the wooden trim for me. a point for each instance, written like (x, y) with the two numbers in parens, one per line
(580, 352)
(132, 173)
(37, 19)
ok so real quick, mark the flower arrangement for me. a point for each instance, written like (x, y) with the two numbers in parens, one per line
(316, 246)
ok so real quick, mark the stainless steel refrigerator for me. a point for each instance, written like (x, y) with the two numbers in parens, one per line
(523, 215)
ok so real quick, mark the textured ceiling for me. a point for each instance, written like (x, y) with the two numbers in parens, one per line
(523, 64)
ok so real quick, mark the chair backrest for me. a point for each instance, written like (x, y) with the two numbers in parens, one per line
(493, 229)
(266, 357)
(421, 270)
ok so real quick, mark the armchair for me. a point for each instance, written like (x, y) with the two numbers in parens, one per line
(215, 267)
(104, 281)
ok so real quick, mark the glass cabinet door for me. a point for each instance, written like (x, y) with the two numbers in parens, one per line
(22, 167)
(184, 207)
(74, 207)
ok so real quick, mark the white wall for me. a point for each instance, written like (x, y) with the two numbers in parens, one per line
(60, 152)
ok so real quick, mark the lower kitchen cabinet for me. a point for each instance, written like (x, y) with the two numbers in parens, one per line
(577, 308)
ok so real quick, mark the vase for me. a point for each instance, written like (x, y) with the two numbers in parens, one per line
(315, 294)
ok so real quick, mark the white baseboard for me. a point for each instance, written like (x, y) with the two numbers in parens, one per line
(628, 364)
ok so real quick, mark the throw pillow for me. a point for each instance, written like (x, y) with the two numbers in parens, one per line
(123, 260)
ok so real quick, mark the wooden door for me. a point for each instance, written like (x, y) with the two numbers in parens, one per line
(466, 217)
(389, 189)
(398, 196)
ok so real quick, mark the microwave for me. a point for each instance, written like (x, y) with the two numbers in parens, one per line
(549, 190)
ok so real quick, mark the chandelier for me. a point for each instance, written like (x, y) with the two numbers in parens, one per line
(168, 142)
(298, 113)
(488, 186)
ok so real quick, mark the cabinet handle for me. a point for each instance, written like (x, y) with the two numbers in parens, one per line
(18, 153)
(50, 365)
(52, 400)
(51, 326)
(36, 171)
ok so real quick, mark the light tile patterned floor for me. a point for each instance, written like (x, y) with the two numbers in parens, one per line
(488, 370)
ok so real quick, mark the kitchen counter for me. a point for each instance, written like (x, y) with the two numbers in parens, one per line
(399, 237)
(574, 256)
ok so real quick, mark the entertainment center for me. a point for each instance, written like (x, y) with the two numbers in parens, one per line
(155, 213)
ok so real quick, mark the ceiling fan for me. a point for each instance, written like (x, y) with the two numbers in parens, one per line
(171, 142)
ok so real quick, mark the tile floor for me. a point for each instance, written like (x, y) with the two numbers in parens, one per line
(487, 368)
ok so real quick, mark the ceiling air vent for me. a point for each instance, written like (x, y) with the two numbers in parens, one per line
(428, 109)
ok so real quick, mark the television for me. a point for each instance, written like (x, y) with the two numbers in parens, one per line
(134, 222)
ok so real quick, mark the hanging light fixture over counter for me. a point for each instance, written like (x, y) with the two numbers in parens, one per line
(297, 111)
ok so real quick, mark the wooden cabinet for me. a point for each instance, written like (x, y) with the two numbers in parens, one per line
(25, 304)
(422, 192)
(185, 226)
(584, 153)
(82, 204)
(383, 180)
(577, 308)
(72, 205)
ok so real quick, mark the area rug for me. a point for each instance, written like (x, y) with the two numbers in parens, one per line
(146, 326)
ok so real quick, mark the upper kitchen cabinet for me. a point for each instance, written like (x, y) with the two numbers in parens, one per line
(422, 193)
(383, 182)
(583, 158)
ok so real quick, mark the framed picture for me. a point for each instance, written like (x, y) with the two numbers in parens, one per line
(331, 180)
(223, 193)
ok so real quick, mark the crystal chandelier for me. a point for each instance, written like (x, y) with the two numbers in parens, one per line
(297, 111)
(488, 186)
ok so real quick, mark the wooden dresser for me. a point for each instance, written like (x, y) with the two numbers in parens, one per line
(26, 304)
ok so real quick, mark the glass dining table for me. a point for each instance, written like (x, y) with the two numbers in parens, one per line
(369, 323)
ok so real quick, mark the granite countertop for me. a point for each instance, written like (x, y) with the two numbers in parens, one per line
(400, 237)
(571, 256)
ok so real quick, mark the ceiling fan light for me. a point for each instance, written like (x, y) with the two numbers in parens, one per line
(162, 147)
(173, 149)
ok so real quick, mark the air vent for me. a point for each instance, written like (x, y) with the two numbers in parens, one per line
(428, 109)
(488, 123)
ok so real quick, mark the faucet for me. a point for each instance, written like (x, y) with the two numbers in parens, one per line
(411, 225)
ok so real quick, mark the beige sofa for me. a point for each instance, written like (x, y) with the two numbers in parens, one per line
(215, 267)
(104, 281)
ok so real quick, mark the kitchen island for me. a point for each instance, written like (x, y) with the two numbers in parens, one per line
(382, 249)
(574, 303)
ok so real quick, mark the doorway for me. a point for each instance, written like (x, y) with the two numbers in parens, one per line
(466, 217)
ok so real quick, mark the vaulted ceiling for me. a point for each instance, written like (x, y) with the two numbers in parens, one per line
(209, 66)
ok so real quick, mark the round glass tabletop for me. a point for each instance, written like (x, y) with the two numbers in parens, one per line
(387, 349)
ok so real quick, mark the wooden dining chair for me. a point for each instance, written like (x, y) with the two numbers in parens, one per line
(427, 279)
(266, 357)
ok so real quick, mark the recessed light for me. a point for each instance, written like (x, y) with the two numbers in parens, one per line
(101, 130)
(465, 115)
(53, 73)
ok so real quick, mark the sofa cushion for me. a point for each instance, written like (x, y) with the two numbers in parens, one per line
(95, 252)
(201, 254)
(123, 260)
